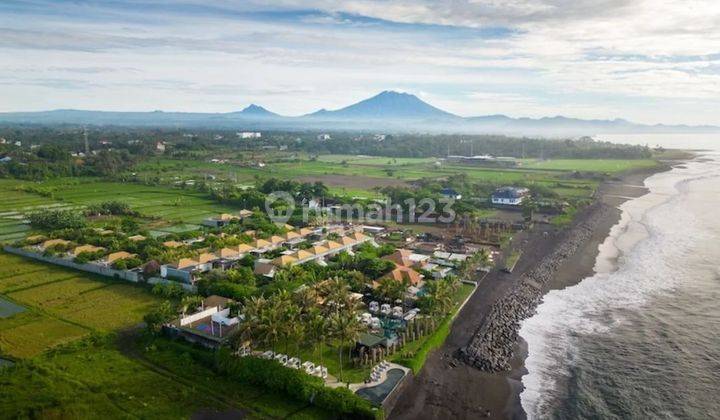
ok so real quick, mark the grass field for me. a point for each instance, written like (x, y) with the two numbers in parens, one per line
(173, 205)
(62, 305)
(358, 175)
(94, 379)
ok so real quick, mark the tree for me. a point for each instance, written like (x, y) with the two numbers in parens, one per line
(159, 316)
(345, 327)
(391, 290)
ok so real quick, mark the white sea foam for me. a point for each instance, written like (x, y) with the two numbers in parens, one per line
(641, 257)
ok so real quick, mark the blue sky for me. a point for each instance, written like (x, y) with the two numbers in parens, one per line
(652, 61)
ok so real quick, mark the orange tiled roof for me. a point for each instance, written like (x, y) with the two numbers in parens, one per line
(228, 253)
(283, 260)
(400, 273)
(301, 254)
(206, 257)
(400, 257)
(317, 250)
(244, 248)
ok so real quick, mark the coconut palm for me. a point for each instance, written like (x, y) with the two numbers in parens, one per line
(345, 327)
(190, 302)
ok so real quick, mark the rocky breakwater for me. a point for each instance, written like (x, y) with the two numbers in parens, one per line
(491, 347)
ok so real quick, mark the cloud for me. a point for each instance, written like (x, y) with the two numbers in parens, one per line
(649, 60)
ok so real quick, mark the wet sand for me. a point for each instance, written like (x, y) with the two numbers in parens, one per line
(448, 388)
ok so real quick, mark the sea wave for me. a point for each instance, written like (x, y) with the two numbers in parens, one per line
(639, 259)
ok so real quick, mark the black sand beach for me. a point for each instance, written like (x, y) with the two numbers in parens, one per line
(448, 388)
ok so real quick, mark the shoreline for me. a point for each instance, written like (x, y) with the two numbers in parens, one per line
(444, 388)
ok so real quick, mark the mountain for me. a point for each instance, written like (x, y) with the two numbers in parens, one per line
(256, 111)
(384, 106)
(386, 112)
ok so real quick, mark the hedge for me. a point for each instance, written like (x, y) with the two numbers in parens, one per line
(270, 375)
(295, 383)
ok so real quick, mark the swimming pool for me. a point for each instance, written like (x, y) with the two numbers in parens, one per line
(377, 394)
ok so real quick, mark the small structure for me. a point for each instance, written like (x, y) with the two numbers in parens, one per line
(509, 196)
(136, 238)
(263, 267)
(211, 326)
(172, 244)
(184, 270)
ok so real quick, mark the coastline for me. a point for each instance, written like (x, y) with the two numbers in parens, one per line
(446, 387)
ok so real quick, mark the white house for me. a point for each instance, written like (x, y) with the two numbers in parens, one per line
(509, 196)
(249, 135)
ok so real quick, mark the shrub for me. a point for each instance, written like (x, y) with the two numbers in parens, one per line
(57, 219)
(295, 383)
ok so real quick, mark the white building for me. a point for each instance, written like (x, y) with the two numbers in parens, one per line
(509, 196)
(249, 134)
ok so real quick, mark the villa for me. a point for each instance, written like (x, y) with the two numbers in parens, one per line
(211, 325)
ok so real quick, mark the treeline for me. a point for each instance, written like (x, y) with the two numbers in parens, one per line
(52, 161)
(408, 145)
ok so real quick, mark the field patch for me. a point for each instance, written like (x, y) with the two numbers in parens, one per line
(29, 333)
(108, 308)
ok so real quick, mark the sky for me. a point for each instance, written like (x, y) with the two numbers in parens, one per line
(649, 61)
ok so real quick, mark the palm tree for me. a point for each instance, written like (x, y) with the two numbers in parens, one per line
(190, 301)
(391, 290)
(345, 327)
(317, 331)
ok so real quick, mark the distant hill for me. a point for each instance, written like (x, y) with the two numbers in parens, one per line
(386, 105)
(388, 111)
(256, 111)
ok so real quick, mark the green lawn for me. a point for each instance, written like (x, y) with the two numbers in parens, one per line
(420, 349)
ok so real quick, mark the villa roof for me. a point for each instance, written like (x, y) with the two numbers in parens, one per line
(292, 235)
(244, 248)
(206, 257)
(185, 263)
(215, 300)
(400, 257)
(245, 213)
(264, 269)
(318, 249)
(86, 248)
(261, 243)
(332, 245)
(305, 231)
(172, 244)
(52, 242)
(346, 240)
(400, 273)
(120, 255)
(283, 260)
(227, 253)
(226, 217)
(275, 239)
(301, 254)
(359, 236)
(136, 238)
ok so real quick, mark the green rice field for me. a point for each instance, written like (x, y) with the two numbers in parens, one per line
(62, 305)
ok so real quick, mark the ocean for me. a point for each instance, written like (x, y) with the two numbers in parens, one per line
(641, 337)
